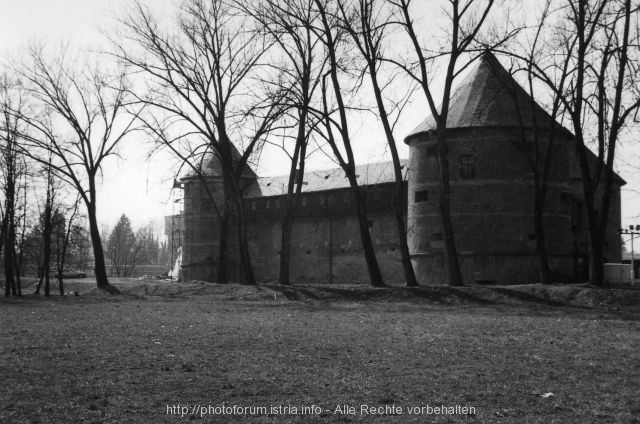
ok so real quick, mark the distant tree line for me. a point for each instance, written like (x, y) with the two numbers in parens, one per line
(127, 249)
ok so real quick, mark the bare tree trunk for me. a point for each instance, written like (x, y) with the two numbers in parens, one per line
(223, 245)
(365, 236)
(8, 258)
(243, 246)
(541, 246)
(294, 188)
(9, 246)
(399, 200)
(348, 164)
(98, 252)
(451, 253)
(368, 32)
(46, 233)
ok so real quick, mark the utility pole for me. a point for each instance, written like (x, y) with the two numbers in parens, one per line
(633, 230)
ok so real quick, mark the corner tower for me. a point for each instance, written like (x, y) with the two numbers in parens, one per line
(203, 196)
(493, 125)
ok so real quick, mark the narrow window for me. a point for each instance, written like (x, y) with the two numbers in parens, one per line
(421, 196)
(467, 166)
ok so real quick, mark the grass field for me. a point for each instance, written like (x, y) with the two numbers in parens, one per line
(131, 358)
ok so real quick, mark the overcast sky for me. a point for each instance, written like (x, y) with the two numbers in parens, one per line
(141, 189)
(131, 185)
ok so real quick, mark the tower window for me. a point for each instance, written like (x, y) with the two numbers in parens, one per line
(467, 166)
(421, 196)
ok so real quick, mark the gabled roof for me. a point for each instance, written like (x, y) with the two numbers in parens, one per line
(329, 179)
(490, 97)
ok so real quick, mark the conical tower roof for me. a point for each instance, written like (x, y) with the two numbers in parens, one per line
(490, 97)
(211, 164)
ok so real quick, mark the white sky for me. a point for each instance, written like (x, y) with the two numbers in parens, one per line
(140, 188)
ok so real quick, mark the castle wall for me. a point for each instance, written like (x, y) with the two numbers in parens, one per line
(325, 237)
(325, 249)
(492, 195)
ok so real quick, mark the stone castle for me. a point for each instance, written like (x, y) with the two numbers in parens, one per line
(492, 126)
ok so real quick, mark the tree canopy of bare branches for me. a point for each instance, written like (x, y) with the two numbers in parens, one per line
(205, 96)
(78, 116)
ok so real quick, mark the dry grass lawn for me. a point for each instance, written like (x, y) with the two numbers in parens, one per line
(125, 359)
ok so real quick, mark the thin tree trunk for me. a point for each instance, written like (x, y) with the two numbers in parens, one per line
(18, 279)
(398, 198)
(245, 258)
(47, 243)
(347, 165)
(451, 253)
(40, 278)
(294, 188)
(223, 245)
(9, 240)
(541, 246)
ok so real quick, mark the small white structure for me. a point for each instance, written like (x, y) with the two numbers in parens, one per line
(618, 274)
(175, 273)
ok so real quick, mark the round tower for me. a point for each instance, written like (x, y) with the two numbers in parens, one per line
(494, 131)
(203, 202)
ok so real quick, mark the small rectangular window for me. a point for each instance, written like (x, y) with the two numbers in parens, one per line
(421, 196)
(437, 240)
(467, 166)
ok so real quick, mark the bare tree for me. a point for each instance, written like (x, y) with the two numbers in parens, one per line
(63, 241)
(336, 43)
(593, 70)
(368, 23)
(11, 165)
(465, 20)
(538, 136)
(298, 69)
(49, 220)
(80, 118)
(202, 80)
